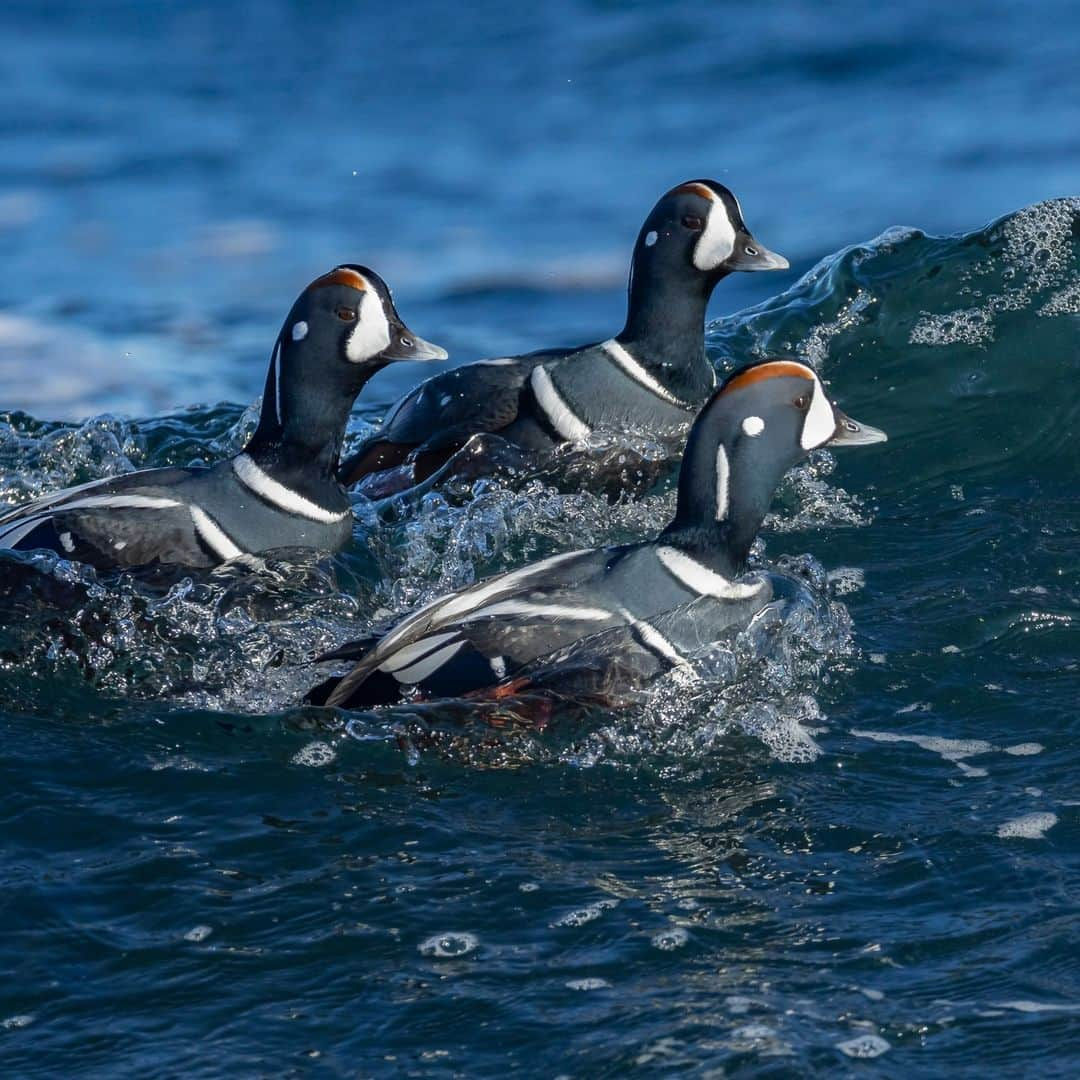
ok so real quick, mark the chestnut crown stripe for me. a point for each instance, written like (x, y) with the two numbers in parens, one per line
(341, 276)
(774, 370)
(694, 188)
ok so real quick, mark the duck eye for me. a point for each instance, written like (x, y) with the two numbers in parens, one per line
(346, 314)
(407, 342)
(750, 249)
(692, 221)
(802, 402)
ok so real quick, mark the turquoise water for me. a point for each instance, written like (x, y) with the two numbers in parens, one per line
(850, 845)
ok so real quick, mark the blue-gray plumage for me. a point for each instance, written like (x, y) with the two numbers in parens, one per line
(608, 618)
(282, 491)
(651, 378)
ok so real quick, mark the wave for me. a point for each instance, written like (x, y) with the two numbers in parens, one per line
(964, 348)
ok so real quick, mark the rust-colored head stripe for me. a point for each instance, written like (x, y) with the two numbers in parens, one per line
(341, 276)
(694, 188)
(771, 370)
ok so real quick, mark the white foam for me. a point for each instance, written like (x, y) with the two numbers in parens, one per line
(1028, 826)
(864, 1046)
(449, 946)
(315, 755)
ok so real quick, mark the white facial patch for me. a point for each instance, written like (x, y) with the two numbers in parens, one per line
(299, 330)
(820, 423)
(717, 241)
(753, 426)
(651, 238)
(372, 331)
(722, 473)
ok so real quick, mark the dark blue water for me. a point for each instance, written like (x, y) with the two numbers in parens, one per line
(850, 846)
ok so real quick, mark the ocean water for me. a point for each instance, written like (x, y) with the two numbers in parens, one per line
(847, 845)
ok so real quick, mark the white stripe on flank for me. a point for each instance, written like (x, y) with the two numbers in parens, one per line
(428, 665)
(619, 354)
(545, 611)
(700, 579)
(480, 594)
(215, 537)
(39, 504)
(17, 529)
(721, 483)
(443, 609)
(252, 477)
(411, 653)
(10, 536)
(562, 418)
(654, 639)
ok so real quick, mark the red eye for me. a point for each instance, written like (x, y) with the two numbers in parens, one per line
(692, 221)
(346, 314)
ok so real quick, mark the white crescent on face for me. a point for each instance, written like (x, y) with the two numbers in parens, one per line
(717, 240)
(372, 331)
(820, 423)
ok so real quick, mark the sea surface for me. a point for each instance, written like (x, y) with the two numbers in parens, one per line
(849, 844)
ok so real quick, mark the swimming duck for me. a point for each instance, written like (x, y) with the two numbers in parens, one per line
(281, 491)
(652, 377)
(619, 616)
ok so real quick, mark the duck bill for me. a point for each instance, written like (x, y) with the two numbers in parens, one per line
(851, 433)
(405, 345)
(750, 255)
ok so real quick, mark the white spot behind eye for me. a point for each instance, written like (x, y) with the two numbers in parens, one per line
(299, 331)
(650, 238)
(753, 426)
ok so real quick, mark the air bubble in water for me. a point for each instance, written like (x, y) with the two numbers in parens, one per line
(449, 946)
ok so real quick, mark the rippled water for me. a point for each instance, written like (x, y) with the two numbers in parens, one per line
(847, 844)
(854, 834)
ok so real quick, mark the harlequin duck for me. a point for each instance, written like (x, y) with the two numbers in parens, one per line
(281, 491)
(613, 618)
(652, 377)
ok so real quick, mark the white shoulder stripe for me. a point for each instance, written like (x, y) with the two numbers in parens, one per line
(654, 639)
(619, 354)
(700, 579)
(543, 611)
(252, 477)
(562, 418)
(213, 535)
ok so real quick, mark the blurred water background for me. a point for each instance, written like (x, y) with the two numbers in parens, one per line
(856, 853)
